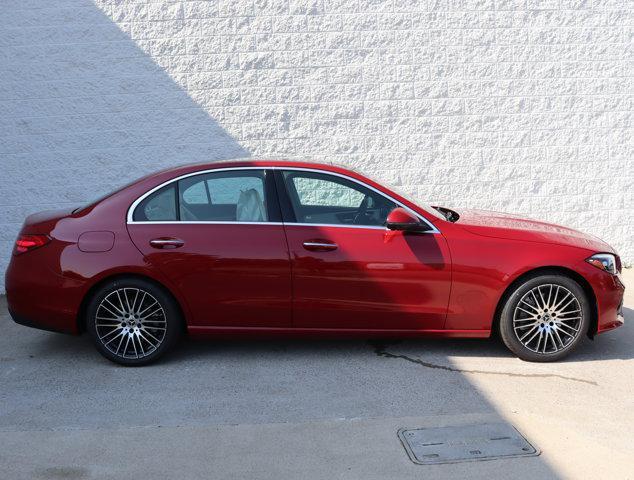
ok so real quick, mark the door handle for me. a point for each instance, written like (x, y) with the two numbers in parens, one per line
(166, 243)
(319, 246)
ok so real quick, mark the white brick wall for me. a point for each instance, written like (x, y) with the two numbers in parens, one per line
(516, 105)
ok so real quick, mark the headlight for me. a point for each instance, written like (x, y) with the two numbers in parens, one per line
(604, 261)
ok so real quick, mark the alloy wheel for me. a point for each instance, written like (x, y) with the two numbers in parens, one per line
(131, 323)
(547, 319)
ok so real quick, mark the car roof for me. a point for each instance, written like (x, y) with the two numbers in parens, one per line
(252, 162)
(155, 180)
(177, 171)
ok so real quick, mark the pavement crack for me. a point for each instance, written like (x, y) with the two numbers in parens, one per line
(381, 350)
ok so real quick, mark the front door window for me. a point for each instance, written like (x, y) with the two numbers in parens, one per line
(319, 198)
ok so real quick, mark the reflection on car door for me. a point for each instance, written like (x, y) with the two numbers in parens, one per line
(349, 271)
(219, 239)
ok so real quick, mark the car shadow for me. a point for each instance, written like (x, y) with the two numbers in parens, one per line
(615, 345)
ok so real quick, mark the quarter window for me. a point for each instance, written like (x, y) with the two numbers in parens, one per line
(158, 207)
(328, 199)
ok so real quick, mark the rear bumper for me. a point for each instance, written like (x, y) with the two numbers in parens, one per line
(19, 319)
(39, 297)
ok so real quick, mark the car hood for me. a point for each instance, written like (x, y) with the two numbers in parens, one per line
(514, 227)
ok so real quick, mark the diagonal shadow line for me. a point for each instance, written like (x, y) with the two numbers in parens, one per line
(85, 108)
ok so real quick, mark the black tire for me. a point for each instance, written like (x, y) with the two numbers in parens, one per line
(536, 318)
(143, 324)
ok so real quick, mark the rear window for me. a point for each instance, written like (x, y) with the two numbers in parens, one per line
(94, 202)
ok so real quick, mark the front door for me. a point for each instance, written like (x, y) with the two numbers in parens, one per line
(218, 237)
(349, 271)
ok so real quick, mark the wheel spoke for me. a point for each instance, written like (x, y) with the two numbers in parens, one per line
(147, 308)
(539, 340)
(563, 299)
(116, 352)
(127, 342)
(558, 337)
(544, 304)
(108, 309)
(155, 339)
(127, 299)
(555, 296)
(113, 338)
(536, 301)
(134, 345)
(136, 297)
(563, 325)
(550, 292)
(141, 303)
(524, 326)
(140, 343)
(552, 339)
(118, 292)
(108, 334)
(535, 329)
(153, 313)
(533, 307)
(526, 311)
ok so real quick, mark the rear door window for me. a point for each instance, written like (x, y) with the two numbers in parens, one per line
(230, 196)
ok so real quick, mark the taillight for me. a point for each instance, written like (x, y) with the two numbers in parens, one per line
(25, 243)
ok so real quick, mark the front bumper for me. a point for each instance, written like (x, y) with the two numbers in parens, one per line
(618, 321)
(609, 292)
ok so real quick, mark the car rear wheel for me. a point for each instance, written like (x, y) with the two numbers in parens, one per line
(132, 321)
(545, 318)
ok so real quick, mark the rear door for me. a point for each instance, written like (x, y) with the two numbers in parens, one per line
(349, 271)
(218, 236)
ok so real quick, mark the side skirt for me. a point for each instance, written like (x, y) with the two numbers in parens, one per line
(196, 330)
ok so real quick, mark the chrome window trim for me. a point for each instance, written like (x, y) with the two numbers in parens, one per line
(199, 222)
(433, 228)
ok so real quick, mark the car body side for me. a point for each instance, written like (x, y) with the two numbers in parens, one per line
(483, 265)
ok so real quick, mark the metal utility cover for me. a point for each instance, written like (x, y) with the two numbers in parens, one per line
(464, 443)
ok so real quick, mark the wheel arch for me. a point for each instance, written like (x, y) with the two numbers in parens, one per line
(549, 270)
(81, 314)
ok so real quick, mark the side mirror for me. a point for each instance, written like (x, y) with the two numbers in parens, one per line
(401, 219)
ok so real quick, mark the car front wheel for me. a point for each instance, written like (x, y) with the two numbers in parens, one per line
(132, 321)
(545, 318)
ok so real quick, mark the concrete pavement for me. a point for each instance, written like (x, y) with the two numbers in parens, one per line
(306, 409)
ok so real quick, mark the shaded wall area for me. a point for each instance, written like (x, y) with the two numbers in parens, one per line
(84, 109)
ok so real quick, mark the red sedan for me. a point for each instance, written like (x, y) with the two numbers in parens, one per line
(272, 247)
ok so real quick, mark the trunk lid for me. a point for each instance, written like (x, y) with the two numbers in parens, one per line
(45, 221)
